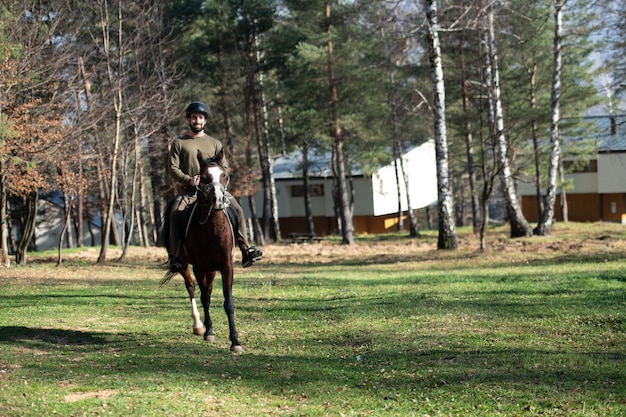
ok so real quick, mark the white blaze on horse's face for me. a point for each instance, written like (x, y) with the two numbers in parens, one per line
(214, 174)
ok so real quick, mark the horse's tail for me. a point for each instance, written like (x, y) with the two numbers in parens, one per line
(165, 240)
(165, 227)
(166, 278)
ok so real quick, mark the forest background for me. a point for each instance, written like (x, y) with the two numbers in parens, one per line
(92, 92)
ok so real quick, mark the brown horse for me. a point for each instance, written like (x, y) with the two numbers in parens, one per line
(208, 247)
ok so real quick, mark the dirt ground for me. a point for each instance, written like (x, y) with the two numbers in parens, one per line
(565, 238)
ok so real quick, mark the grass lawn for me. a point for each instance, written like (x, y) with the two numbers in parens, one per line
(389, 326)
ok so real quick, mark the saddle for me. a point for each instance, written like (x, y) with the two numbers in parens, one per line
(186, 215)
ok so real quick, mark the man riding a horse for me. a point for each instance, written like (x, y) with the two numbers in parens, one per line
(184, 168)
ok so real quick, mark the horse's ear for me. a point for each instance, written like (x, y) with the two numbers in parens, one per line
(220, 156)
(200, 157)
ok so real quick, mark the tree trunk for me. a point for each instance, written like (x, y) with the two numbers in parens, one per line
(397, 147)
(79, 192)
(256, 226)
(547, 215)
(271, 222)
(68, 207)
(264, 162)
(143, 213)
(414, 230)
(564, 207)
(30, 222)
(342, 200)
(115, 83)
(519, 225)
(268, 165)
(66, 227)
(308, 210)
(469, 142)
(487, 147)
(157, 152)
(535, 137)
(447, 231)
(273, 193)
(133, 192)
(4, 233)
(396, 166)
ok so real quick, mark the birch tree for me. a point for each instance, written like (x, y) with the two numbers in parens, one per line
(114, 74)
(447, 230)
(546, 218)
(519, 225)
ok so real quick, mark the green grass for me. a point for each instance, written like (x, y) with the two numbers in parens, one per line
(532, 327)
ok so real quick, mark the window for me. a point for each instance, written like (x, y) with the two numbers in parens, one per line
(579, 166)
(315, 190)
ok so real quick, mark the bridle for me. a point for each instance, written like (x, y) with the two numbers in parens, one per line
(218, 190)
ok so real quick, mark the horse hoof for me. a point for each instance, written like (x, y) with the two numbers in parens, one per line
(209, 338)
(199, 331)
(237, 349)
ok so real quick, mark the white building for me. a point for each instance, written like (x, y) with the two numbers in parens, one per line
(375, 208)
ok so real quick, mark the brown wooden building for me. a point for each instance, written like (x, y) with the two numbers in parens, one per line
(599, 192)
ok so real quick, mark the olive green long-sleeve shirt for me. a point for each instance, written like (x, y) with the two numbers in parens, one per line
(183, 163)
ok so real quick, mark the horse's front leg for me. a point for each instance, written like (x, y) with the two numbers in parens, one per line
(229, 308)
(206, 289)
(198, 326)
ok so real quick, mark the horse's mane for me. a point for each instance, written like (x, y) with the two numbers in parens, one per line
(212, 161)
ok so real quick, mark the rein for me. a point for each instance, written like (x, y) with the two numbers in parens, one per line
(211, 207)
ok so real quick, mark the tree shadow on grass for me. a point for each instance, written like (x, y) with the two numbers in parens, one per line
(22, 334)
(154, 356)
(331, 364)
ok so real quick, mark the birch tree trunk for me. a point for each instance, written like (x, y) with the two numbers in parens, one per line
(487, 147)
(68, 203)
(401, 172)
(519, 225)
(133, 193)
(249, 125)
(546, 218)
(414, 230)
(268, 164)
(115, 83)
(264, 162)
(4, 233)
(447, 229)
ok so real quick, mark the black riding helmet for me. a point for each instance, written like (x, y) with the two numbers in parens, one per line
(197, 107)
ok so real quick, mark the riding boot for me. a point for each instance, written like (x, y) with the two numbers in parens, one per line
(249, 254)
(176, 264)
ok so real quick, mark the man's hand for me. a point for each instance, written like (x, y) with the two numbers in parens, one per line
(195, 181)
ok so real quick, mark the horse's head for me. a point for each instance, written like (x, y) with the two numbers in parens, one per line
(213, 181)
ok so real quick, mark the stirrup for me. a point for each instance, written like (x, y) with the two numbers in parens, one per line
(251, 255)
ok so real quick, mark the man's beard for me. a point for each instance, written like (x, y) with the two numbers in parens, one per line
(196, 129)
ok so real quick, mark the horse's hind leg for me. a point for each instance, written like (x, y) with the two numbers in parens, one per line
(198, 326)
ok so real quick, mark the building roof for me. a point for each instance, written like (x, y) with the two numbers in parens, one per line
(290, 166)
